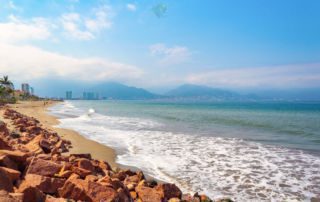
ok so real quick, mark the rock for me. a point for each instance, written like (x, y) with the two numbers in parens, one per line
(132, 181)
(43, 167)
(80, 171)
(124, 195)
(32, 194)
(11, 173)
(5, 182)
(77, 156)
(83, 190)
(15, 135)
(10, 197)
(73, 176)
(7, 162)
(47, 185)
(53, 199)
(174, 200)
(17, 156)
(204, 198)
(186, 197)
(64, 174)
(147, 194)
(45, 146)
(4, 145)
(169, 191)
(34, 145)
(3, 129)
(115, 183)
(92, 178)
(85, 164)
(121, 175)
(104, 165)
(133, 194)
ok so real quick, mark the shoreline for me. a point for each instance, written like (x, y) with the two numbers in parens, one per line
(36, 165)
(79, 143)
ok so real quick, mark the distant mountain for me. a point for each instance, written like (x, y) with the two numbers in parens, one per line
(189, 91)
(113, 90)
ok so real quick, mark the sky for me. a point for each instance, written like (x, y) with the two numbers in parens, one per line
(248, 44)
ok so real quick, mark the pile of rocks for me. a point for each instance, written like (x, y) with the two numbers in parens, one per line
(34, 168)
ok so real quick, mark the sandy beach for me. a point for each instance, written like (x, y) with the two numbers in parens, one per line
(80, 144)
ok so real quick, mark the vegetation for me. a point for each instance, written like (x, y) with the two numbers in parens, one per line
(6, 91)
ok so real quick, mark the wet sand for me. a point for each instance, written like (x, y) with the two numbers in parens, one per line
(80, 144)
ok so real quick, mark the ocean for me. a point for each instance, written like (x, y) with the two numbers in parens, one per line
(249, 151)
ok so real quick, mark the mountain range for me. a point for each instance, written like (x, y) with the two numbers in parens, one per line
(113, 90)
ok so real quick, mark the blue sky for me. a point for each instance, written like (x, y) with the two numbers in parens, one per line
(232, 44)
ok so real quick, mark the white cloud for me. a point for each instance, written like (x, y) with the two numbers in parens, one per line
(307, 75)
(170, 55)
(101, 20)
(29, 62)
(18, 30)
(131, 7)
(13, 6)
(25, 62)
(86, 28)
(71, 22)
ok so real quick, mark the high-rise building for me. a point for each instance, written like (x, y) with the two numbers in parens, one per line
(89, 96)
(31, 91)
(69, 95)
(25, 88)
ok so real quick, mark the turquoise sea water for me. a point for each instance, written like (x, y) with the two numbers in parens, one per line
(264, 150)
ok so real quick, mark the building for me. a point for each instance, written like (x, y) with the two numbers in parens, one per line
(69, 95)
(31, 91)
(25, 88)
(90, 96)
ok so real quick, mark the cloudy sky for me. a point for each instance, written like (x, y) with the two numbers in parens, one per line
(159, 44)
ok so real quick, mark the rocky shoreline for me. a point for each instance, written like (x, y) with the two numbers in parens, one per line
(33, 167)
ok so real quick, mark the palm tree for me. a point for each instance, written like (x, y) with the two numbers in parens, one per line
(5, 82)
(6, 89)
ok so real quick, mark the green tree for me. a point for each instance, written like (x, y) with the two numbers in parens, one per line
(5, 82)
(6, 90)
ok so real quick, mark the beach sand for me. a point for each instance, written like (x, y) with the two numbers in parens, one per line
(80, 144)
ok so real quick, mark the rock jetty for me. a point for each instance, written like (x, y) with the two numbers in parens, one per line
(34, 166)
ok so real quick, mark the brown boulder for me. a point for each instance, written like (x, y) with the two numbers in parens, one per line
(43, 167)
(4, 145)
(10, 197)
(53, 199)
(11, 173)
(34, 145)
(77, 156)
(132, 181)
(147, 194)
(169, 191)
(5, 182)
(92, 178)
(32, 194)
(3, 129)
(47, 185)
(85, 164)
(45, 145)
(7, 162)
(17, 156)
(83, 190)
(80, 171)
(104, 165)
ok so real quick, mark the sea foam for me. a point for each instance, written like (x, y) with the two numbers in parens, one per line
(242, 170)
